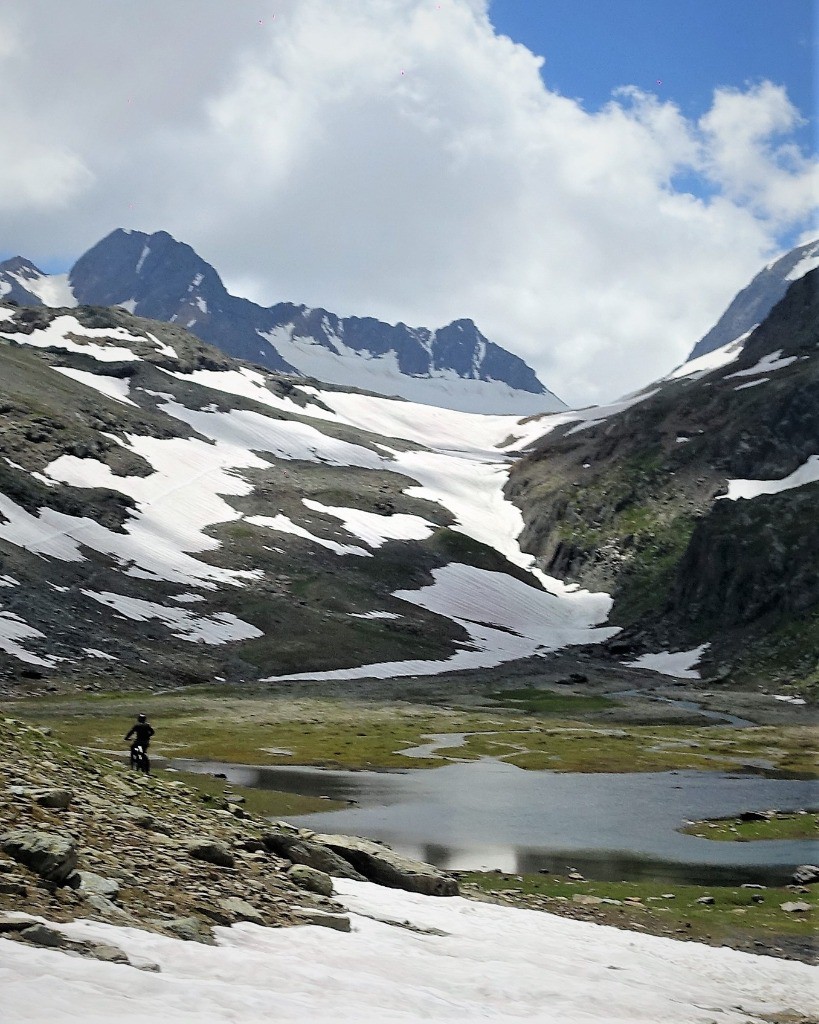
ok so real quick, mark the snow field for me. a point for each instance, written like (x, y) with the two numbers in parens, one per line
(348, 367)
(505, 619)
(807, 473)
(484, 963)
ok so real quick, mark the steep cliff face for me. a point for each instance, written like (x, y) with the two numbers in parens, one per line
(641, 502)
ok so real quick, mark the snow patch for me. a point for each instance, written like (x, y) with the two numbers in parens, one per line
(810, 261)
(142, 257)
(221, 628)
(51, 289)
(751, 383)
(678, 663)
(92, 652)
(113, 387)
(696, 368)
(807, 473)
(768, 363)
(376, 529)
(13, 629)
(284, 525)
(55, 336)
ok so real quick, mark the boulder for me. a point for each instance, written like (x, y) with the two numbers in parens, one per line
(90, 882)
(311, 879)
(806, 874)
(796, 907)
(57, 799)
(53, 857)
(382, 865)
(240, 909)
(212, 851)
(302, 851)
(339, 922)
(191, 929)
(41, 935)
(11, 922)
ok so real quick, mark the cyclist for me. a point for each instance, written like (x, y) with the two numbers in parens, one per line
(142, 733)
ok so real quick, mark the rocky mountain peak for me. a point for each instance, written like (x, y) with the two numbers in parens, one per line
(158, 277)
(754, 303)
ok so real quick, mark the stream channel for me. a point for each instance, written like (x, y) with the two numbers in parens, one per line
(486, 814)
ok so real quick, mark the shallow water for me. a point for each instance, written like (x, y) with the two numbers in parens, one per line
(489, 814)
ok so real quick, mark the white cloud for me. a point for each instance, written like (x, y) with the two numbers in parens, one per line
(400, 159)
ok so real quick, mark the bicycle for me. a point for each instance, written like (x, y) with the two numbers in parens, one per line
(139, 759)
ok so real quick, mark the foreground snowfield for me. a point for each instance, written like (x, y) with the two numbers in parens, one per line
(492, 963)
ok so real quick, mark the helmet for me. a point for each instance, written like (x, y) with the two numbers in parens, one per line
(142, 716)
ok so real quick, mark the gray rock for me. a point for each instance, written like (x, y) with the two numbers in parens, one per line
(806, 874)
(796, 907)
(707, 901)
(303, 851)
(240, 909)
(11, 923)
(380, 864)
(105, 907)
(53, 857)
(191, 929)
(42, 935)
(337, 921)
(213, 851)
(311, 879)
(90, 882)
(58, 799)
(105, 952)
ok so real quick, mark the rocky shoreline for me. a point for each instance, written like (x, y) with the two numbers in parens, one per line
(84, 837)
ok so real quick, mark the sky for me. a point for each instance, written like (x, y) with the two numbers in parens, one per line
(591, 181)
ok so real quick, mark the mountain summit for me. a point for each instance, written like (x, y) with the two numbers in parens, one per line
(750, 307)
(158, 277)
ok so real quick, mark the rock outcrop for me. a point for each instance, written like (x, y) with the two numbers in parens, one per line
(150, 853)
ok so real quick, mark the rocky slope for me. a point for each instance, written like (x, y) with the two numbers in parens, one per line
(169, 515)
(156, 276)
(83, 837)
(637, 501)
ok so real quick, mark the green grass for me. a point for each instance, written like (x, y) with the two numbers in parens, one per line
(667, 907)
(781, 825)
(213, 724)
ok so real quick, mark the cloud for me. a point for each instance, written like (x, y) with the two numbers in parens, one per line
(396, 158)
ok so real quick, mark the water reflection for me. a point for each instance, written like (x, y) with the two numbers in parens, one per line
(489, 814)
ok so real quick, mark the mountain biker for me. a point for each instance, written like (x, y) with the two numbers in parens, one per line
(142, 733)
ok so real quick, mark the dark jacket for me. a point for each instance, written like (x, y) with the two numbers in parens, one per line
(142, 732)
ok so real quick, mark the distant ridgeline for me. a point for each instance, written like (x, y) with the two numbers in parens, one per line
(155, 276)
